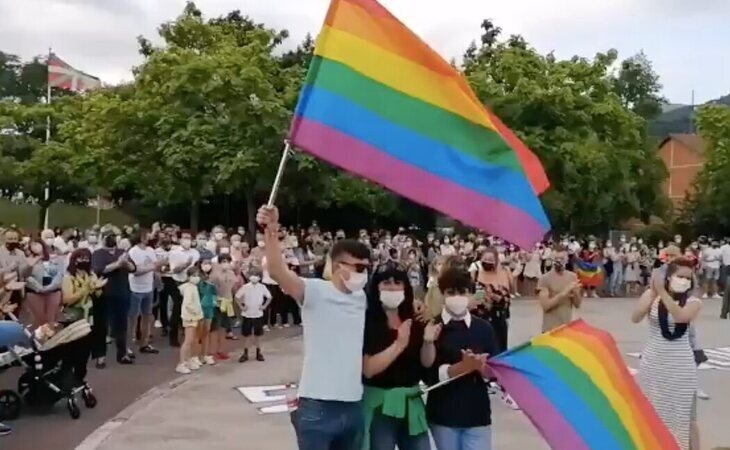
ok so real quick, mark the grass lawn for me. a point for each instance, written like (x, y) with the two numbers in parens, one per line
(26, 216)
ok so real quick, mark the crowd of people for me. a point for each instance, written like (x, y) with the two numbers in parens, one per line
(406, 307)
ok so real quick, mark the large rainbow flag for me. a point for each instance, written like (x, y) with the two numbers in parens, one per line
(380, 103)
(576, 389)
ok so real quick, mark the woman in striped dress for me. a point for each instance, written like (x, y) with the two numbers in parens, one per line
(668, 374)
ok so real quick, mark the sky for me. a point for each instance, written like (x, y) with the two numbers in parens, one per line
(688, 41)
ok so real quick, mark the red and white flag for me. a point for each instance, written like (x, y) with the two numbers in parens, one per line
(63, 76)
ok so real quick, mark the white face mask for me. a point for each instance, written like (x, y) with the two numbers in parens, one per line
(93, 239)
(679, 285)
(186, 243)
(457, 304)
(255, 279)
(591, 245)
(261, 244)
(195, 279)
(356, 282)
(392, 299)
(218, 236)
(206, 268)
(235, 244)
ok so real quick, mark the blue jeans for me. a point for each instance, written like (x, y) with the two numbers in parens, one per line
(617, 279)
(387, 432)
(476, 438)
(328, 425)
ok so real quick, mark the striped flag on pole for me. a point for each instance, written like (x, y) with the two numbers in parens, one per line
(62, 75)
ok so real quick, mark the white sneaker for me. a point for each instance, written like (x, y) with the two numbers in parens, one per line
(493, 388)
(209, 360)
(158, 324)
(286, 325)
(266, 328)
(194, 363)
(717, 297)
(702, 395)
(595, 295)
(704, 295)
(183, 369)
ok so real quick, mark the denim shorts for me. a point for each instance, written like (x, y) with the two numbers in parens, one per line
(712, 273)
(140, 303)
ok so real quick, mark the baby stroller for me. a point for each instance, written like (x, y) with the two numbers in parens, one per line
(48, 376)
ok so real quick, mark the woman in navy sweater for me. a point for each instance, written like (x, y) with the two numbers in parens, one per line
(459, 413)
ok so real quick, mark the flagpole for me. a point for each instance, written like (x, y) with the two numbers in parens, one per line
(98, 209)
(279, 173)
(47, 190)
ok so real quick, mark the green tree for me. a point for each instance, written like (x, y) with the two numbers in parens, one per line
(203, 116)
(638, 86)
(568, 112)
(30, 164)
(708, 209)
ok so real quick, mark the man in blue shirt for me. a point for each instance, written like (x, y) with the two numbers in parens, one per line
(329, 416)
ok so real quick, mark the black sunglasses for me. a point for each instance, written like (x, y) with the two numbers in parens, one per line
(359, 268)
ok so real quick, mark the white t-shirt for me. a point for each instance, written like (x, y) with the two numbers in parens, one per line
(143, 258)
(180, 256)
(266, 277)
(725, 252)
(253, 297)
(711, 257)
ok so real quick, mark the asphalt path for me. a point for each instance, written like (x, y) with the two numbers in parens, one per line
(115, 387)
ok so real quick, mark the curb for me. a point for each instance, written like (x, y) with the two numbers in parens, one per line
(98, 436)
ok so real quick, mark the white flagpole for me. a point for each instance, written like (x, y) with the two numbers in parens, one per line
(47, 190)
(98, 209)
(279, 173)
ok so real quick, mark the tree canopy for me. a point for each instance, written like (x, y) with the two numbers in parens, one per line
(208, 110)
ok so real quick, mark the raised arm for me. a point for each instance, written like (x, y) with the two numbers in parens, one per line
(290, 283)
(643, 306)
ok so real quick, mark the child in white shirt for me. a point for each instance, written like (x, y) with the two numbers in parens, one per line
(253, 297)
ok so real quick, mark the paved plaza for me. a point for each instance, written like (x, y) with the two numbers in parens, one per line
(205, 410)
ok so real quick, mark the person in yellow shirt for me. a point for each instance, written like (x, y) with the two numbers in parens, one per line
(79, 288)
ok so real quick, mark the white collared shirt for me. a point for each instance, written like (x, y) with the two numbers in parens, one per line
(446, 317)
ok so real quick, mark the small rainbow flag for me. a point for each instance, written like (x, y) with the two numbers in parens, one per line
(378, 102)
(589, 274)
(576, 389)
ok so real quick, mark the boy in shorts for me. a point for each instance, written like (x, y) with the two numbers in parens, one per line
(253, 297)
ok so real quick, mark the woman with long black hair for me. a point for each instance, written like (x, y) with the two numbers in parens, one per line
(397, 348)
(80, 290)
(668, 374)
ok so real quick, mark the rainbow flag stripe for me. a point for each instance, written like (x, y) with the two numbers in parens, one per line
(378, 102)
(576, 389)
(589, 274)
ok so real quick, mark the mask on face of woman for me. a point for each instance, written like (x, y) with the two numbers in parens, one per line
(83, 264)
(456, 304)
(392, 299)
(679, 285)
(488, 266)
(206, 268)
(255, 279)
(110, 241)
